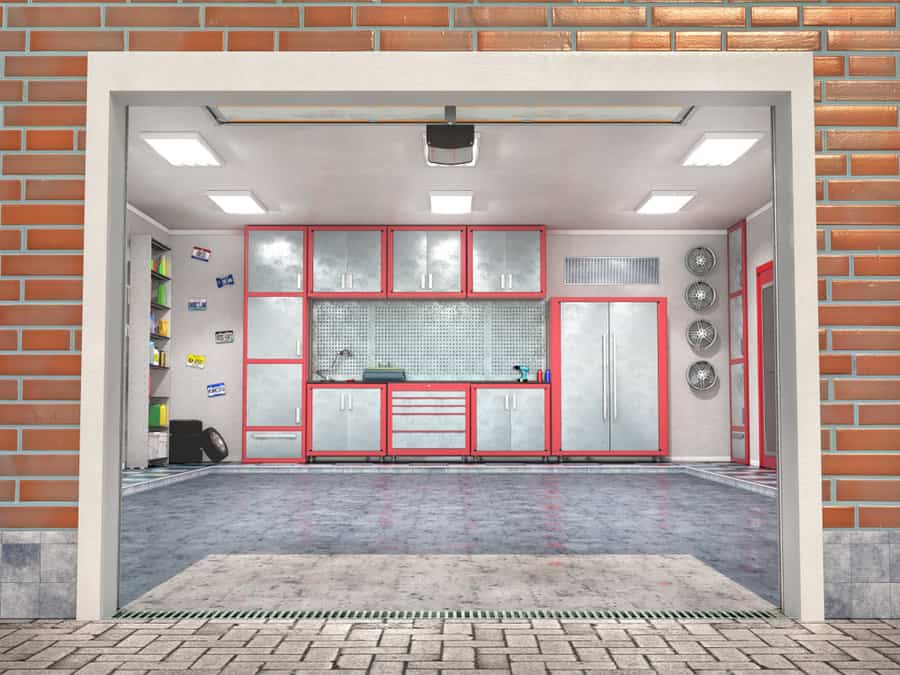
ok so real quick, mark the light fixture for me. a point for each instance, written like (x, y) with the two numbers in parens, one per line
(182, 148)
(454, 157)
(450, 203)
(660, 202)
(720, 148)
(242, 202)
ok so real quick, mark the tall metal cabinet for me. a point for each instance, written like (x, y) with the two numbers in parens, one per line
(610, 364)
(274, 359)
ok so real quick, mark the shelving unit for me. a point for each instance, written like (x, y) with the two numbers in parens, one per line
(149, 345)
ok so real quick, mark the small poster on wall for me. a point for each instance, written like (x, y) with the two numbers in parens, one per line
(215, 390)
(224, 337)
(195, 361)
(200, 253)
(227, 280)
(196, 304)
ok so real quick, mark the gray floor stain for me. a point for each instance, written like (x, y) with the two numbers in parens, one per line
(167, 530)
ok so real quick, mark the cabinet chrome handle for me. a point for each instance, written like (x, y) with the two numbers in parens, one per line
(272, 436)
(509, 280)
(299, 347)
(506, 401)
(422, 282)
(349, 279)
(342, 401)
(604, 375)
(615, 393)
(299, 281)
(349, 400)
(515, 402)
(430, 281)
(343, 280)
(297, 416)
(502, 281)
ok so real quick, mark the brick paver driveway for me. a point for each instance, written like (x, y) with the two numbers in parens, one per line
(428, 646)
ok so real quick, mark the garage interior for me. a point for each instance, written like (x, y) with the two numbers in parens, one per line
(540, 377)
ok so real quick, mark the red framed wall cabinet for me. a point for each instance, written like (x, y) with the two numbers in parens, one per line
(274, 368)
(347, 262)
(765, 280)
(345, 419)
(507, 261)
(510, 420)
(738, 377)
(428, 419)
(426, 261)
(609, 364)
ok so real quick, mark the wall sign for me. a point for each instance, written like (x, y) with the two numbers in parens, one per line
(227, 280)
(224, 337)
(196, 304)
(195, 361)
(216, 389)
(200, 253)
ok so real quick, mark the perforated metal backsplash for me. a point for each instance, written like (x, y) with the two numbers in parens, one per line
(611, 270)
(430, 340)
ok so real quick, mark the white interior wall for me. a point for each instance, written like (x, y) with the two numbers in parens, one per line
(194, 332)
(698, 427)
(760, 249)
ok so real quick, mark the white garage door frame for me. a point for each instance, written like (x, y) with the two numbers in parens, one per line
(781, 80)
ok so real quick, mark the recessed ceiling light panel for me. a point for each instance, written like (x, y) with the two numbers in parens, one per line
(451, 203)
(182, 148)
(241, 202)
(720, 149)
(661, 202)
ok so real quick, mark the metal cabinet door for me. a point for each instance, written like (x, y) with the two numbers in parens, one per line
(584, 414)
(364, 419)
(444, 267)
(488, 261)
(492, 419)
(634, 370)
(274, 328)
(409, 261)
(527, 428)
(523, 261)
(329, 419)
(275, 261)
(274, 394)
(364, 261)
(330, 257)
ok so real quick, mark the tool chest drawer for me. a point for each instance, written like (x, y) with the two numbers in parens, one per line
(428, 419)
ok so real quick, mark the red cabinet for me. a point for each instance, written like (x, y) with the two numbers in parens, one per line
(347, 262)
(507, 262)
(428, 419)
(427, 262)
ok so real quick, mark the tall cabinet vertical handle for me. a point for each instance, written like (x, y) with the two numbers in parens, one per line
(299, 347)
(604, 374)
(299, 281)
(297, 416)
(615, 392)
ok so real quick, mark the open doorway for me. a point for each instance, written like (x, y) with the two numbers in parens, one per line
(664, 444)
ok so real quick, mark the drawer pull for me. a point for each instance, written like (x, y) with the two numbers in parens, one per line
(273, 436)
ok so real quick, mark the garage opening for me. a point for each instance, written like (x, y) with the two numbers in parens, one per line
(448, 357)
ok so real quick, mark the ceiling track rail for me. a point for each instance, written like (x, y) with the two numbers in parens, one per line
(454, 614)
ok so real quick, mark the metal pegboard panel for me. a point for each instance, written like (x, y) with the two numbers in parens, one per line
(430, 340)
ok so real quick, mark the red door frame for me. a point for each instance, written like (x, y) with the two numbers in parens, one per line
(427, 386)
(765, 276)
(301, 361)
(463, 258)
(307, 446)
(742, 359)
(509, 296)
(347, 296)
(497, 453)
(557, 384)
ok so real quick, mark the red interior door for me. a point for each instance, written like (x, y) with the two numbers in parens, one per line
(765, 345)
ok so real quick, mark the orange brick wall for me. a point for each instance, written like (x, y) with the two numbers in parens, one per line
(42, 92)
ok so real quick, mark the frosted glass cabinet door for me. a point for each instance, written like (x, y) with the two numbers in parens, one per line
(274, 394)
(736, 323)
(488, 261)
(275, 261)
(737, 395)
(444, 268)
(527, 431)
(409, 264)
(346, 261)
(523, 261)
(735, 260)
(274, 328)
(492, 420)
(584, 400)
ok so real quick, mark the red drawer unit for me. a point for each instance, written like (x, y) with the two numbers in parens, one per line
(428, 419)
(510, 420)
(345, 419)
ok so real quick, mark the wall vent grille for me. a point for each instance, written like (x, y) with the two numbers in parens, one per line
(610, 271)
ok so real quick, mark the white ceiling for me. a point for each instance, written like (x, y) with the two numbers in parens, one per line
(562, 176)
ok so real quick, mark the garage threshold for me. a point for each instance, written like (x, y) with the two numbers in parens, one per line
(760, 481)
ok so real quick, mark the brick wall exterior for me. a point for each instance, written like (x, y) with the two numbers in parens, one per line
(42, 92)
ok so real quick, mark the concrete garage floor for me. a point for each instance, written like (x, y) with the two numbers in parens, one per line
(729, 532)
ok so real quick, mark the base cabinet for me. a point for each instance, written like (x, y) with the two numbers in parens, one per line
(511, 420)
(346, 420)
(273, 445)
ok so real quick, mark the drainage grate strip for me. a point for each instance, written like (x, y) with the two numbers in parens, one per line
(451, 614)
